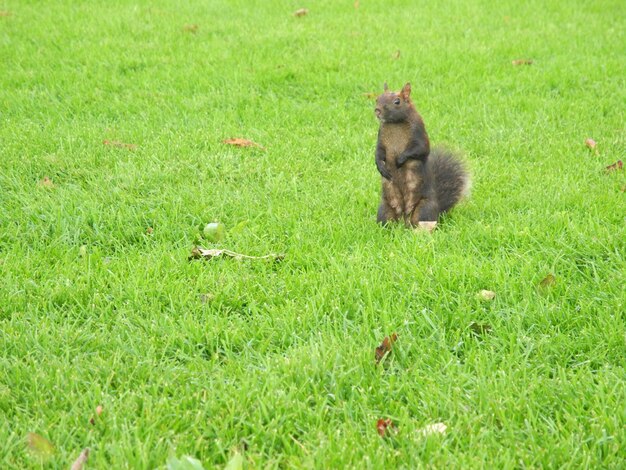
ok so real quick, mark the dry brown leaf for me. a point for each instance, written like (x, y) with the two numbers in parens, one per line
(370, 96)
(623, 189)
(191, 28)
(487, 294)
(301, 12)
(548, 281)
(99, 410)
(45, 182)
(81, 460)
(428, 226)
(618, 165)
(356, 4)
(115, 143)
(480, 328)
(522, 62)
(239, 142)
(385, 427)
(206, 298)
(590, 143)
(396, 55)
(202, 253)
(385, 347)
(5, 13)
(436, 428)
(149, 230)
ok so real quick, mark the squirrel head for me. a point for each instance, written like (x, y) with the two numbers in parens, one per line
(394, 107)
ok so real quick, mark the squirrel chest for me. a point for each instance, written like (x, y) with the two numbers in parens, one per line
(395, 138)
(402, 193)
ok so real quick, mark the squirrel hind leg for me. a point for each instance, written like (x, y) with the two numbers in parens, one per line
(387, 213)
(427, 211)
(384, 215)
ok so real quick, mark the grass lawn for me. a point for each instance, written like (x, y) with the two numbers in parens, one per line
(99, 304)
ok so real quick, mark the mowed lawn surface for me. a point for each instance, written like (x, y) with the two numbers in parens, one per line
(99, 304)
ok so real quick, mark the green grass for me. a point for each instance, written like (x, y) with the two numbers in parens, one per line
(279, 363)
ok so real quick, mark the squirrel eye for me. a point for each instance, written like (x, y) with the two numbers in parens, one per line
(396, 101)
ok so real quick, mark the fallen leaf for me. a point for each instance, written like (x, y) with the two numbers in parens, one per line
(436, 428)
(487, 294)
(5, 13)
(81, 460)
(149, 230)
(371, 96)
(480, 328)
(235, 462)
(191, 28)
(396, 54)
(427, 226)
(590, 143)
(522, 62)
(99, 410)
(301, 12)
(214, 232)
(239, 142)
(115, 143)
(39, 445)
(385, 427)
(548, 281)
(618, 165)
(623, 189)
(356, 4)
(206, 298)
(202, 253)
(184, 463)
(385, 347)
(45, 182)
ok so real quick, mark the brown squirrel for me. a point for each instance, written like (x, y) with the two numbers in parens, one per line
(417, 184)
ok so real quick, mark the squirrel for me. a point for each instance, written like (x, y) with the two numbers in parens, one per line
(417, 184)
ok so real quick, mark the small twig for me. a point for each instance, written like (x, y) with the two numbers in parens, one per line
(202, 253)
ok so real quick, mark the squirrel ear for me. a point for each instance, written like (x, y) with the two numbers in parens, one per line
(385, 87)
(406, 90)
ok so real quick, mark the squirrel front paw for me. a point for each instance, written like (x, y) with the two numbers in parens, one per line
(382, 169)
(401, 160)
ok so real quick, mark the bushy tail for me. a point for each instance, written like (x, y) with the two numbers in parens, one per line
(451, 180)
